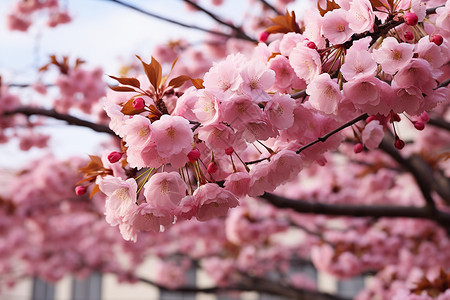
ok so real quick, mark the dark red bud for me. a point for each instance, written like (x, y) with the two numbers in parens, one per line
(411, 19)
(80, 190)
(264, 36)
(311, 45)
(194, 155)
(437, 39)
(138, 103)
(408, 36)
(212, 168)
(358, 148)
(114, 156)
(399, 144)
(419, 125)
(229, 151)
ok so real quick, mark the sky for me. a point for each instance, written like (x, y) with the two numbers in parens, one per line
(101, 33)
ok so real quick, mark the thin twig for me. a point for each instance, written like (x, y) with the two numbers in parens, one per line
(238, 31)
(150, 14)
(270, 6)
(329, 134)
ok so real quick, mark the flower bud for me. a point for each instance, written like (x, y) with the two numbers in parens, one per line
(80, 190)
(138, 103)
(370, 119)
(264, 36)
(411, 19)
(399, 144)
(358, 148)
(194, 155)
(408, 36)
(114, 156)
(419, 125)
(212, 168)
(229, 151)
(311, 45)
(437, 39)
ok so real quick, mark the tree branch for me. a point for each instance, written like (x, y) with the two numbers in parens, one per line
(239, 33)
(71, 120)
(439, 122)
(268, 5)
(153, 15)
(376, 211)
(326, 136)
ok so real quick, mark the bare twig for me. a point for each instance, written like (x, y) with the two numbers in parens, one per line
(270, 6)
(71, 120)
(239, 33)
(150, 14)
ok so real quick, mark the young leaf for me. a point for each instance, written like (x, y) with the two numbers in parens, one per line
(284, 24)
(331, 5)
(127, 81)
(179, 81)
(122, 89)
(156, 67)
(198, 83)
(94, 191)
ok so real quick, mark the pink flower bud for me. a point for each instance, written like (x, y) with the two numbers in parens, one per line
(419, 125)
(311, 45)
(408, 36)
(425, 117)
(114, 156)
(194, 155)
(437, 39)
(399, 144)
(411, 19)
(212, 168)
(358, 148)
(80, 190)
(229, 151)
(264, 36)
(138, 103)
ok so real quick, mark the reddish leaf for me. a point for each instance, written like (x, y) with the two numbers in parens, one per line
(284, 24)
(93, 166)
(198, 83)
(156, 67)
(376, 3)
(94, 191)
(128, 108)
(122, 89)
(127, 81)
(331, 5)
(179, 81)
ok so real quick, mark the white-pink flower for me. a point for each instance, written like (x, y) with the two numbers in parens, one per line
(280, 111)
(163, 193)
(358, 61)
(172, 135)
(392, 55)
(305, 62)
(360, 16)
(372, 134)
(137, 132)
(256, 78)
(324, 94)
(335, 26)
(213, 201)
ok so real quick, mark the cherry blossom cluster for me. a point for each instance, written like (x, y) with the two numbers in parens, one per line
(242, 132)
(21, 16)
(48, 232)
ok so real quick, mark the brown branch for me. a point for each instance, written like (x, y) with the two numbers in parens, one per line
(150, 14)
(71, 120)
(271, 7)
(329, 134)
(439, 122)
(376, 211)
(260, 285)
(239, 33)
(420, 171)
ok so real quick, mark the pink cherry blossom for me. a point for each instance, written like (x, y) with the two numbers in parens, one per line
(305, 62)
(324, 94)
(137, 132)
(335, 26)
(358, 61)
(280, 111)
(172, 135)
(238, 183)
(372, 134)
(407, 76)
(164, 192)
(284, 73)
(256, 78)
(360, 16)
(213, 201)
(239, 111)
(289, 41)
(393, 55)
